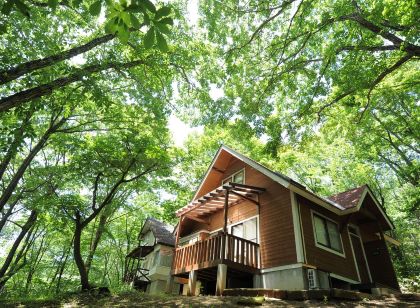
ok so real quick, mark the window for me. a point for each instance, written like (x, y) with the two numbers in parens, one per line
(246, 230)
(327, 233)
(238, 177)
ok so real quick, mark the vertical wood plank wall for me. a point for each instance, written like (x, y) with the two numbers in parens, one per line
(277, 242)
(322, 259)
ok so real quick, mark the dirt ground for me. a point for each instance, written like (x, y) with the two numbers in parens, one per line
(132, 299)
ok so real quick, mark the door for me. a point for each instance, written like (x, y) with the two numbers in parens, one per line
(247, 230)
(360, 258)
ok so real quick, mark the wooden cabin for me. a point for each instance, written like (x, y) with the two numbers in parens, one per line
(148, 266)
(250, 227)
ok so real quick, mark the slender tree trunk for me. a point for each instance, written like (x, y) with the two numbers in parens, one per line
(8, 213)
(7, 271)
(78, 259)
(17, 141)
(60, 266)
(25, 228)
(98, 234)
(61, 271)
(38, 257)
(27, 161)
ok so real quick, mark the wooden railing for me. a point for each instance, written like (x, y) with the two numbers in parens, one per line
(210, 252)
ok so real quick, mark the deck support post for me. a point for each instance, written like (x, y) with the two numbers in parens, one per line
(169, 284)
(192, 282)
(221, 279)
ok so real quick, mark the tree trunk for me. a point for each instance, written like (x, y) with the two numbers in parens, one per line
(29, 223)
(5, 273)
(26, 162)
(78, 259)
(17, 141)
(32, 268)
(98, 234)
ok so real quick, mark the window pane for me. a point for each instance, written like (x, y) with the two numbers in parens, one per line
(238, 230)
(239, 177)
(334, 236)
(321, 232)
(250, 230)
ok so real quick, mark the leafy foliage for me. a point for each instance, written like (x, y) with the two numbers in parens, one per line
(324, 91)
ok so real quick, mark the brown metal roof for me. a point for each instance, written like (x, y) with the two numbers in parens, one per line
(349, 198)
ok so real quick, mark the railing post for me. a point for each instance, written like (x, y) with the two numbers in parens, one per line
(225, 213)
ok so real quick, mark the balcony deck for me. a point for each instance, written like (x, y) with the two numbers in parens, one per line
(236, 252)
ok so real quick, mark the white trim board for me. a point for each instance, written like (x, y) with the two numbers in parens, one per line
(300, 257)
(281, 268)
(359, 205)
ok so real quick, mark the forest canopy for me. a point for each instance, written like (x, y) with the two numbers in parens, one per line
(326, 92)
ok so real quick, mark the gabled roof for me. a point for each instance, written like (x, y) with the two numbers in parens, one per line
(349, 198)
(341, 204)
(352, 200)
(161, 231)
(275, 176)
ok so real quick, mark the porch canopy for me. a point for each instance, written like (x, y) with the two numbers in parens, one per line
(222, 197)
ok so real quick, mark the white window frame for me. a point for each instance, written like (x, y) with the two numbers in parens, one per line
(229, 227)
(341, 254)
(233, 174)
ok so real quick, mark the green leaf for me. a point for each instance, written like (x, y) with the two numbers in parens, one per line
(146, 19)
(134, 8)
(7, 7)
(53, 4)
(3, 28)
(95, 8)
(148, 5)
(111, 26)
(149, 38)
(162, 12)
(123, 34)
(163, 28)
(76, 3)
(161, 42)
(134, 21)
(167, 20)
(22, 7)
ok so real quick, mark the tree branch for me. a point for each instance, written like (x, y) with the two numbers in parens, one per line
(17, 99)
(30, 66)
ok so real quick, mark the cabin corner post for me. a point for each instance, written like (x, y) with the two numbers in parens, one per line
(225, 221)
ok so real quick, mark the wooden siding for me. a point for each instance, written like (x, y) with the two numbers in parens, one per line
(277, 242)
(322, 259)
